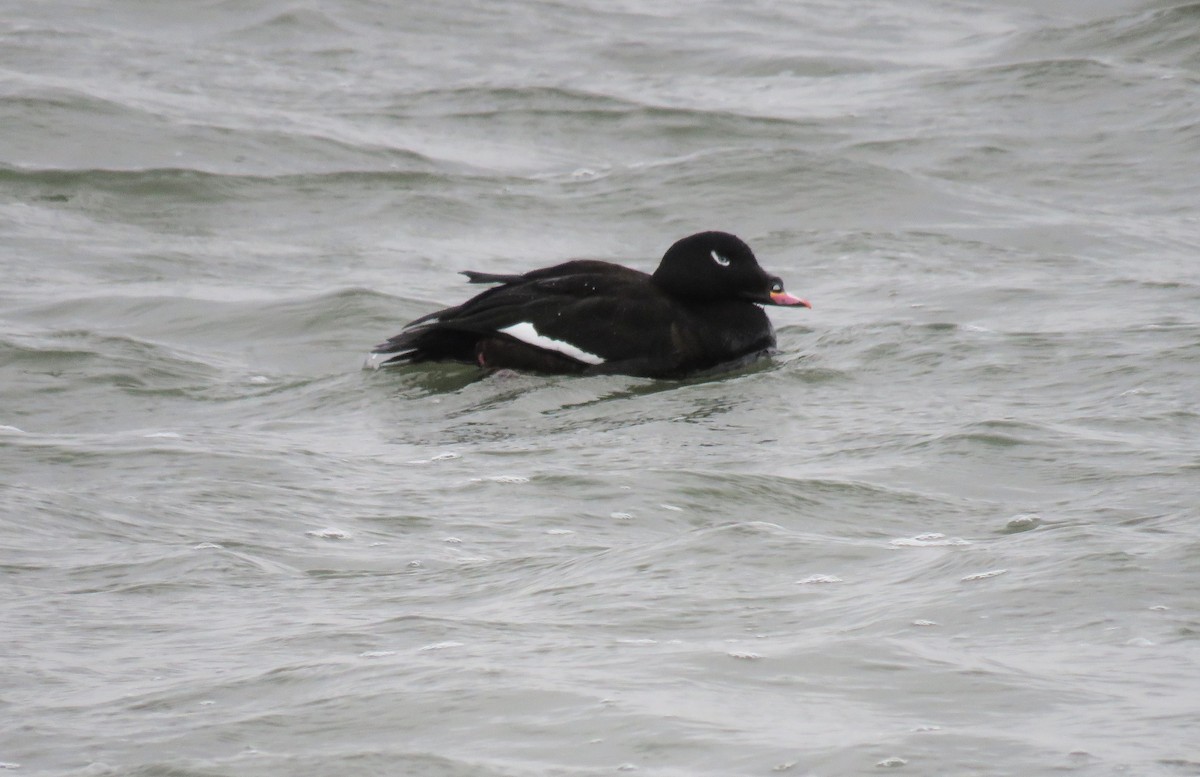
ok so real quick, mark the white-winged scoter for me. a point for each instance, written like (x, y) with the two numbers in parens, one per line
(698, 311)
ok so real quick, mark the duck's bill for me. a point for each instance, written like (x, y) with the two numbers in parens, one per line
(783, 298)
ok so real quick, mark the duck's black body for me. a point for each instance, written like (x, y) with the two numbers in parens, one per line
(699, 310)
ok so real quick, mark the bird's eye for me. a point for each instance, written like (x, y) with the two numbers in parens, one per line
(776, 287)
(719, 259)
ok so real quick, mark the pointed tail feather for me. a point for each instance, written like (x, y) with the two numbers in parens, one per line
(487, 277)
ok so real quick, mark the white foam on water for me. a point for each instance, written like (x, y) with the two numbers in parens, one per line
(928, 540)
(506, 479)
(744, 655)
(329, 533)
(984, 575)
(819, 579)
(1023, 522)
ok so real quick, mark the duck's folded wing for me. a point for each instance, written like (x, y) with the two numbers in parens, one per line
(590, 318)
(571, 317)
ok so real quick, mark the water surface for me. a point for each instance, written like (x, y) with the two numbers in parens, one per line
(950, 529)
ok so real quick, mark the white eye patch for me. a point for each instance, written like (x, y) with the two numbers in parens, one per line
(719, 259)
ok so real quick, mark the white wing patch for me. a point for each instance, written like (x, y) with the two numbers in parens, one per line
(721, 260)
(527, 333)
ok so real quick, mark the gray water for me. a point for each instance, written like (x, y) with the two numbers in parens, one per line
(951, 528)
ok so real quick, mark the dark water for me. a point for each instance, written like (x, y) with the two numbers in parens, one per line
(951, 529)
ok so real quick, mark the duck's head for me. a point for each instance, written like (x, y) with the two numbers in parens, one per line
(719, 266)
